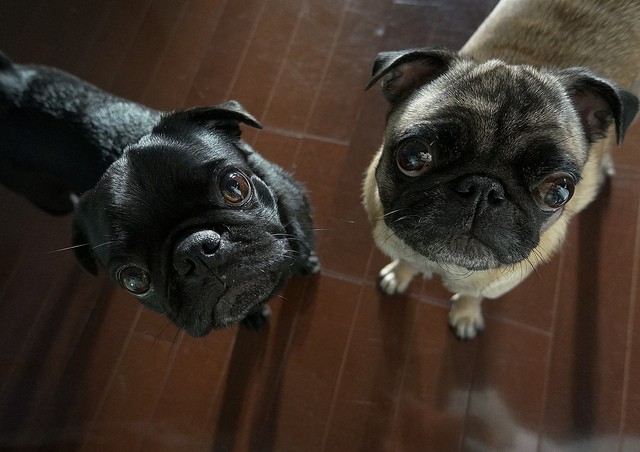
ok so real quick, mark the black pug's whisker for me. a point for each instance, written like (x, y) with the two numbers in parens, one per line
(314, 229)
(108, 242)
(68, 248)
(290, 237)
(168, 314)
(163, 329)
(286, 236)
(81, 245)
(287, 240)
(159, 333)
(286, 224)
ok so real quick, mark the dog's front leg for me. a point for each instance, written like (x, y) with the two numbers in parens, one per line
(396, 277)
(465, 316)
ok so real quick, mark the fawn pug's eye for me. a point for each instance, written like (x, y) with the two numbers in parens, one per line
(134, 279)
(235, 188)
(414, 157)
(554, 191)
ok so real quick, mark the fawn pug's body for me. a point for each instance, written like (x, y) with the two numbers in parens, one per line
(489, 152)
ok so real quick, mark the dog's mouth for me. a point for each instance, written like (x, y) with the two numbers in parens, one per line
(216, 277)
(473, 253)
(470, 222)
(202, 313)
(467, 248)
(234, 305)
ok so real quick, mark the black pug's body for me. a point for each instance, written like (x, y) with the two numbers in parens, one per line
(180, 211)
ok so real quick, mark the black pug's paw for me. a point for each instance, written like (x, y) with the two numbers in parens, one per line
(311, 266)
(257, 319)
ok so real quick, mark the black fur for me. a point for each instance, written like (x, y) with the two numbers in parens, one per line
(158, 196)
(59, 133)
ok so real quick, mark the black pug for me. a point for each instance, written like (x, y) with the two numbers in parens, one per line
(180, 211)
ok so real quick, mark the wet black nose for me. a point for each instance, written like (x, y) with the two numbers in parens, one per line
(195, 251)
(479, 190)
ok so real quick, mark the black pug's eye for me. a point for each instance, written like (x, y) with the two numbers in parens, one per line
(134, 279)
(414, 157)
(235, 188)
(554, 192)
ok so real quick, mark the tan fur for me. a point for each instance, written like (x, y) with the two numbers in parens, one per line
(601, 35)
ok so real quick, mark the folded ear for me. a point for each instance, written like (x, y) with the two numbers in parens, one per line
(404, 71)
(226, 116)
(231, 111)
(599, 102)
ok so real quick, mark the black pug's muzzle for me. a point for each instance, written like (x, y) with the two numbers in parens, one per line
(196, 224)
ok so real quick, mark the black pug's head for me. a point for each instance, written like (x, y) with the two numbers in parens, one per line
(184, 222)
(478, 159)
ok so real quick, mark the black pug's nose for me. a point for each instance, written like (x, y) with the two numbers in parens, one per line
(479, 190)
(195, 251)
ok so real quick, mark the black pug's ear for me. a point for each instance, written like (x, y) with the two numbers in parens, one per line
(224, 117)
(599, 102)
(82, 247)
(404, 71)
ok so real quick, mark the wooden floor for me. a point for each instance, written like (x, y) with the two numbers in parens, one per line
(340, 368)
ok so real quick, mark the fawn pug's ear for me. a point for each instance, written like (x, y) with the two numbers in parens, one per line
(402, 72)
(598, 102)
